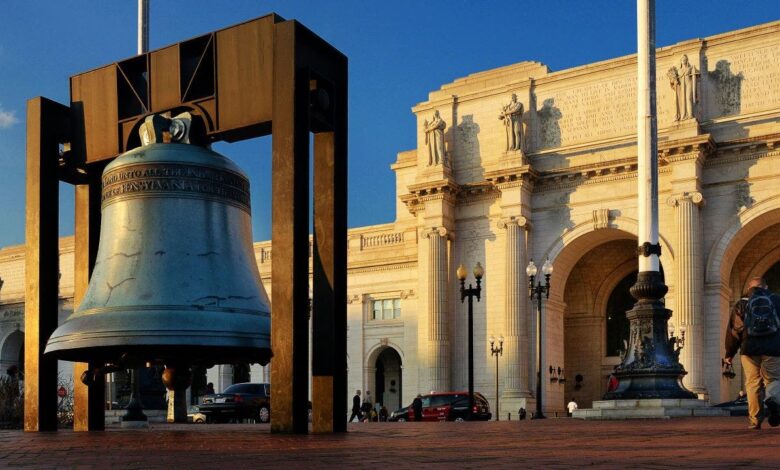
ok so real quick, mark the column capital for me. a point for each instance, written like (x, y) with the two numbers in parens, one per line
(443, 232)
(694, 197)
(520, 221)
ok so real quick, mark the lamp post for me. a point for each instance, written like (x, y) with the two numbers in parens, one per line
(497, 351)
(470, 292)
(537, 291)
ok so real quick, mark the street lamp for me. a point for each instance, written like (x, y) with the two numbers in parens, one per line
(470, 292)
(497, 351)
(537, 290)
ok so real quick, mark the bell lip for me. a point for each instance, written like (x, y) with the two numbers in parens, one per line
(183, 353)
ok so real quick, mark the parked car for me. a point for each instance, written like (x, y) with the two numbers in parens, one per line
(446, 406)
(238, 402)
(195, 416)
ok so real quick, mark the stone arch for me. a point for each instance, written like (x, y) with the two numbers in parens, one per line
(749, 223)
(10, 351)
(722, 287)
(567, 250)
(389, 395)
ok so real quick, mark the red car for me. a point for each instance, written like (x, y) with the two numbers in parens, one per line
(446, 406)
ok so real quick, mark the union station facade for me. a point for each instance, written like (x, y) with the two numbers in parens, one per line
(521, 163)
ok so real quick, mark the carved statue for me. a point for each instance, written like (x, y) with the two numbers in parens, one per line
(434, 139)
(683, 82)
(512, 115)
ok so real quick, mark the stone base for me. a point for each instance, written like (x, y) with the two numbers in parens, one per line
(680, 130)
(135, 424)
(653, 408)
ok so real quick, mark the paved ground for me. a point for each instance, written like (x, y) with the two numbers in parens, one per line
(553, 443)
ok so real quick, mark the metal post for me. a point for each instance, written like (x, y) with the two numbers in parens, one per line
(471, 353)
(649, 368)
(538, 414)
(470, 293)
(497, 407)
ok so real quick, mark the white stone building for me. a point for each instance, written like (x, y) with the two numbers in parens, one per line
(568, 193)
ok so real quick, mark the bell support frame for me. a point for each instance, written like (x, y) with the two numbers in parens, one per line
(264, 76)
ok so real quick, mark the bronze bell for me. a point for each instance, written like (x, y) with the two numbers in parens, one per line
(175, 279)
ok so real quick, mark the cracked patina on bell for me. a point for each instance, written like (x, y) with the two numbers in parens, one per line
(175, 277)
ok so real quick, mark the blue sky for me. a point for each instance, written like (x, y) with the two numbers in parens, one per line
(398, 50)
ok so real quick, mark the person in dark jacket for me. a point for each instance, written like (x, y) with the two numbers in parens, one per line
(417, 408)
(356, 407)
(760, 353)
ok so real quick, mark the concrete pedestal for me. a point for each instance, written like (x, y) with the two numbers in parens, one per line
(653, 408)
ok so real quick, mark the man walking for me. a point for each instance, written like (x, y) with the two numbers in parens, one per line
(754, 329)
(356, 407)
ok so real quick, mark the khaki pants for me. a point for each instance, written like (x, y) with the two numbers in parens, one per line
(757, 368)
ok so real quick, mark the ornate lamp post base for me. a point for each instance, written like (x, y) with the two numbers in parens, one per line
(650, 367)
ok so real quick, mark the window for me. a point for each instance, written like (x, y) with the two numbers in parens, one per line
(387, 309)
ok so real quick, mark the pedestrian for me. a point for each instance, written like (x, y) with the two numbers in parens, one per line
(612, 380)
(383, 414)
(356, 407)
(754, 330)
(522, 413)
(367, 406)
(417, 408)
(209, 388)
(572, 406)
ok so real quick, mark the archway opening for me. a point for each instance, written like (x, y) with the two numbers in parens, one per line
(387, 385)
(12, 351)
(596, 298)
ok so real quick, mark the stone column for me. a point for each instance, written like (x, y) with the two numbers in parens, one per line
(690, 287)
(438, 338)
(515, 310)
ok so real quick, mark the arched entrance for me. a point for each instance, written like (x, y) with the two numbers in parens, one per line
(388, 377)
(593, 271)
(751, 251)
(12, 351)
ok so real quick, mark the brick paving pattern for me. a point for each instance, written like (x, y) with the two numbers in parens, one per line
(552, 443)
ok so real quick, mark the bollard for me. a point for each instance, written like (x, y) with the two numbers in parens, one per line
(509, 416)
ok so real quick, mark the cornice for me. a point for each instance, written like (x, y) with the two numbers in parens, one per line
(691, 148)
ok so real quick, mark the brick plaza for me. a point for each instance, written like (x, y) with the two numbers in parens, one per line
(553, 443)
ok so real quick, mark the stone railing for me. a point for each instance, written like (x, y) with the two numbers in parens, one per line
(380, 240)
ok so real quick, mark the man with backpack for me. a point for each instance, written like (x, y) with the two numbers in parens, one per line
(754, 329)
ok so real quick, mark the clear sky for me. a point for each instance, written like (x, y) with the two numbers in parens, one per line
(398, 51)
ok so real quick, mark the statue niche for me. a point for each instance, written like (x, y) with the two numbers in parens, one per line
(683, 82)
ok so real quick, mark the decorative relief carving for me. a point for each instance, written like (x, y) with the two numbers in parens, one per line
(521, 222)
(600, 219)
(408, 294)
(440, 231)
(351, 299)
(149, 179)
(434, 139)
(694, 196)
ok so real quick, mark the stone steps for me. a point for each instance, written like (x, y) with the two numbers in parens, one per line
(655, 408)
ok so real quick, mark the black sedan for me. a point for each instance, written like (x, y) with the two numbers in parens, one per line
(238, 402)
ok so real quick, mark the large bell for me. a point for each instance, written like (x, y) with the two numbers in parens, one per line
(175, 277)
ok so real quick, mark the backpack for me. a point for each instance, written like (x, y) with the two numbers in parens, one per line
(761, 316)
